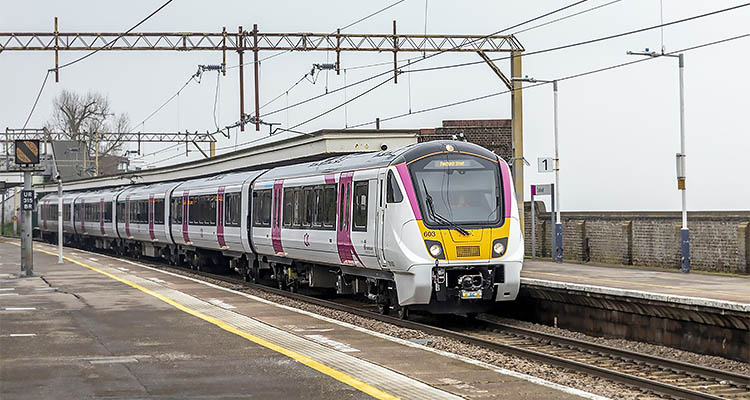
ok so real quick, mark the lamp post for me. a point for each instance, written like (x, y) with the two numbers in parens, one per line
(557, 256)
(680, 161)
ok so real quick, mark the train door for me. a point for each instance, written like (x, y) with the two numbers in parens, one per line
(380, 217)
(362, 225)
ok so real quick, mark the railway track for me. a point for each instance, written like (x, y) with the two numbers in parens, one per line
(660, 376)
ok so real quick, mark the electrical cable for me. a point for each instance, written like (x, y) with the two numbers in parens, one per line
(585, 42)
(87, 56)
(111, 42)
(373, 14)
(433, 55)
(345, 27)
(36, 101)
(566, 17)
(574, 76)
(342, 104)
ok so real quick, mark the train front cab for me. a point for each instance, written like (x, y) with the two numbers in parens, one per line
(460, 240)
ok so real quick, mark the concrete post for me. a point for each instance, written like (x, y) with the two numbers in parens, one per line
(517, 128)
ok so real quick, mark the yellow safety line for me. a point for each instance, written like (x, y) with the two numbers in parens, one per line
(333, 373)
(626, 282)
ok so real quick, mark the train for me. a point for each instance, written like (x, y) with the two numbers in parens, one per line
(430, 227)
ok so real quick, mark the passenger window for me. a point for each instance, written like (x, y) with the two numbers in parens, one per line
(266, 209)
(394, 192)
(330, 207)
(297, 208)
(319, 206)
(176, 211)
(360, 205)
(341, 208)
(288, 207)
(159, 211)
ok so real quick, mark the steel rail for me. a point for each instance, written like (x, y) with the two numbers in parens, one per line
(678, 366)
(627, 379)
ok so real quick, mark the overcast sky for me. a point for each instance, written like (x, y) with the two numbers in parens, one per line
(619, 130)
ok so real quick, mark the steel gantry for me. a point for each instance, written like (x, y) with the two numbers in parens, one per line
(257, 41)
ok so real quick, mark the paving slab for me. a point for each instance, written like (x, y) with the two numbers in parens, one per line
(97, 326)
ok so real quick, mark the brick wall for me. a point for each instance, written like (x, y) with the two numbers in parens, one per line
(492, 134)
(719, 241)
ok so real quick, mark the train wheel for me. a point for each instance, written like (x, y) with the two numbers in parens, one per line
(384, 308)
(403, 312)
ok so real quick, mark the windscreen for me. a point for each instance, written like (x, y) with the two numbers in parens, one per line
(464, 189)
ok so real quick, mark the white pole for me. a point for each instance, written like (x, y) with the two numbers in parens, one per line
(684, 232)
(557, 159)
(59, 223)
(682, 137)
(557, 256)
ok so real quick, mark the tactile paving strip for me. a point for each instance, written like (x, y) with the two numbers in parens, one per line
(372, 374)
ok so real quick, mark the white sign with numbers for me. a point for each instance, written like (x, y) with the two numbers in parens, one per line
(545, 164)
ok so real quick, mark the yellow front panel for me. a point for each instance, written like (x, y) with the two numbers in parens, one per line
(465, 247)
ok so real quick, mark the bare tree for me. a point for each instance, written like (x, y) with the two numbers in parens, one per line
(84, 118)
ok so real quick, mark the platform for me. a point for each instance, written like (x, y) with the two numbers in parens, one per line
(698, 312)
(96, 326)
(722, 291)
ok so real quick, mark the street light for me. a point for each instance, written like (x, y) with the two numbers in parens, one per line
(557, 256)
(680, 161)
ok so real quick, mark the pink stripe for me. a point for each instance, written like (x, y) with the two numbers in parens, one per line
(330, 178)
(185, 235)
(403, 172)
(151, 216)
(83, 215)
(127, 216)
(101, 215)
(278, 204)
(506, 186)
(220, 218)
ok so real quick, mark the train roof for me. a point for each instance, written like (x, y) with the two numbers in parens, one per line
(228, 179)
(352, 162)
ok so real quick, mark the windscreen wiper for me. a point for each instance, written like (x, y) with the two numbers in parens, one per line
(438, 217)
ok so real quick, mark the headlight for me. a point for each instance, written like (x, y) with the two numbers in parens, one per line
(499, 246)
(435, 249)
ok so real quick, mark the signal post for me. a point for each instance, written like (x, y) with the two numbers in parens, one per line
(27, 157)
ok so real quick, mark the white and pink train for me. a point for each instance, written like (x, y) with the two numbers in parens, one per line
(431, 226)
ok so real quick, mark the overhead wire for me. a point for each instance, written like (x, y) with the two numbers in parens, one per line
(58, 68)
(574, 76)
(305, 76)
(587, 42)
(345, 27)
(397, 71)
(523, 54)
(566, 17)
(390, 71)
(36, 101)
(111, 42)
